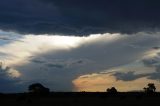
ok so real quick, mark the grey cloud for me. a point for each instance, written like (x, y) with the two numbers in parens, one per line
(3, 54)
(58, 63)
(8, 37)
(54, 65)
(156, 47)
(9, 84)
(129, 76)
(4, 38)
(38, 61)
(155, 75)
(152, 61)
(149, 62)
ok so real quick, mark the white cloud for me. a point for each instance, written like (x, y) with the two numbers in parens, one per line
(31, 45)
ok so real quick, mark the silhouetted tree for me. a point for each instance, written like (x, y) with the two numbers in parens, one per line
(151, 88)
(38, 88)
(112, 90)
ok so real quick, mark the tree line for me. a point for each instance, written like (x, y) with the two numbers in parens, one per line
(39, 88)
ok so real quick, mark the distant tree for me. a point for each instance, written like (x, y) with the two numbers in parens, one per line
(151, 88)
(112, 90)
(38, 88)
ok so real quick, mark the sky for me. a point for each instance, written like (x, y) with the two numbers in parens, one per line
(82, 45)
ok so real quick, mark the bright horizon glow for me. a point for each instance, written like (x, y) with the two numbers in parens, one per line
(100, 82)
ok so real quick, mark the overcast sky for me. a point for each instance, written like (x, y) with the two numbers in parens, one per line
(79, 45)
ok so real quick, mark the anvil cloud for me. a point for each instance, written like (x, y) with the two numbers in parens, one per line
(57, 61)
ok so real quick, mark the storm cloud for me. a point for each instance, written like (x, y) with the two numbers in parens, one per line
(80, 17)
(56, 60)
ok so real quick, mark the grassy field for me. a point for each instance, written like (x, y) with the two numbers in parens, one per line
(81, 99)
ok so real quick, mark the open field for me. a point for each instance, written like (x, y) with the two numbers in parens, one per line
(81, 99)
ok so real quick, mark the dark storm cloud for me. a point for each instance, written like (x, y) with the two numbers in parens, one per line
(79, 16)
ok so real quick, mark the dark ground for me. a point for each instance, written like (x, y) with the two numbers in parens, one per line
(81, 99)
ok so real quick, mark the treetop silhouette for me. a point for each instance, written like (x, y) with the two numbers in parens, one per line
(150, 89)
(112, 90)
(38, 88)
